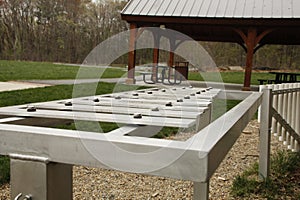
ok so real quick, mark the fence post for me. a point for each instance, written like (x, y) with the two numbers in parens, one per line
(280, 111)
(265, 132)
(259, 108)
(285, 114)
(275, 106)
(297, 116)
(289, 139)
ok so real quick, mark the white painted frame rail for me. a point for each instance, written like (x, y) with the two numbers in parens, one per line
(44, 157)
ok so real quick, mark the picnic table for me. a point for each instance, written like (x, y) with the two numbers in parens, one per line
(281, 77)
(157, 77)
(285, 77)
(167, 75)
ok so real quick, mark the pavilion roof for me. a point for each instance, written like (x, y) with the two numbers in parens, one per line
(217, 20)
(214, 8)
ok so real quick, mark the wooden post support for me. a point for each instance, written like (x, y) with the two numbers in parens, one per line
(155, 56)
(251, 40)
(250, 43)
(132, 54)
(171, 55)
(171, 59)
(172, 49)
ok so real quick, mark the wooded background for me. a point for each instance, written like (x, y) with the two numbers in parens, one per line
(67, 30)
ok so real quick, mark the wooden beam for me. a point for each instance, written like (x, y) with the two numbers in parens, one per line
(262, 35)
(140, 32)
(243, 46)
(258, 47)
(242, 34)
(238, 22)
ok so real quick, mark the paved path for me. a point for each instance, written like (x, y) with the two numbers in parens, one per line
(8, 86)
(14, 85)
(80, 81)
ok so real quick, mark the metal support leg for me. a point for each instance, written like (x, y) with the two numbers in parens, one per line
(40, 180)
(265, 134)
(201, 191)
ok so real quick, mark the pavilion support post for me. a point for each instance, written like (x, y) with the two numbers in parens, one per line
(250, 43)
(251, 40)
(171, 55)
(132, 54)
(155, 56)
(171, 59)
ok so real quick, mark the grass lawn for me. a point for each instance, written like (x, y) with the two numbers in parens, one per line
(229, 77)
(283, 182)
(19, 70)
(55, 93)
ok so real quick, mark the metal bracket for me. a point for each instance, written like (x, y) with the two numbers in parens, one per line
(27, 197)
(29, 158)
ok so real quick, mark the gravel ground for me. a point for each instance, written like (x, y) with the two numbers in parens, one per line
(91, 183)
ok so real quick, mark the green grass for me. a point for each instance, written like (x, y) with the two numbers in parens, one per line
(57, 92)
(283, 182)
(89, 126)
(220, 106)
(229, 77)
(19, 70)
(4, 170)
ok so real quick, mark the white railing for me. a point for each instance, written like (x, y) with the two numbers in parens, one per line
(280, 115)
